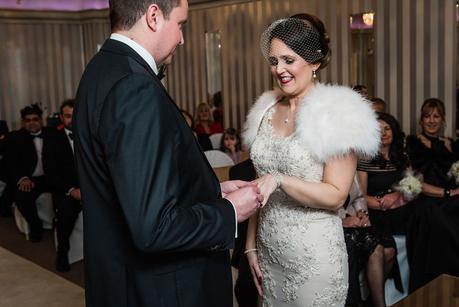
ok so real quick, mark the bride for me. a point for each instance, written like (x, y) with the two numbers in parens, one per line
(304, 140)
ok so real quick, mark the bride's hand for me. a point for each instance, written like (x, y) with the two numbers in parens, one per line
(267, 185)
(230, 186)
(257, 276)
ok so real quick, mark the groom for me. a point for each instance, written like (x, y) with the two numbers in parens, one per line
(157, 231)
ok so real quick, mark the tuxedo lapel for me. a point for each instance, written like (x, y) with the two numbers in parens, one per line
(31, 151)
(65, 142)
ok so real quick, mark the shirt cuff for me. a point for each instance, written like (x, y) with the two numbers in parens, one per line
(235, 216)
(70, 191)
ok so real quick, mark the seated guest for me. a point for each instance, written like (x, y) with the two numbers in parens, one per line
(24, 155)
(62, 177)
(377, 177)
(231, 144)
(436, 219)
(366, 248)
(378, 104)
(204, 123)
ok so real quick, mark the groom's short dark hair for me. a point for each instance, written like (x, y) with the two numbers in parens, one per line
(125, 13)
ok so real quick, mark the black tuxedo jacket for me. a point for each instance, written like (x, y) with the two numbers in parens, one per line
(21, 153)
(59, 164)
(156, 231)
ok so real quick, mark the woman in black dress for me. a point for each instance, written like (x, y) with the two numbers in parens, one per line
(367, 249)
(377, 177)
(433, 227)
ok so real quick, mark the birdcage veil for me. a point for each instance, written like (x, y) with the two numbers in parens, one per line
(298, 34)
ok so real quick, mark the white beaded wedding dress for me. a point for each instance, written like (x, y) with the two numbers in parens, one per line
(301, 249)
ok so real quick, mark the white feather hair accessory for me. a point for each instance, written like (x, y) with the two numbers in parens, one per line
(332, 121)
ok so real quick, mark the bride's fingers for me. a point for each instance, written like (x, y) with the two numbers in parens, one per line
(258, 271)
(256, 281)
(264, 199)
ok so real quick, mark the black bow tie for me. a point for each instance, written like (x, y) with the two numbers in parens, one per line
(71, 136)
(40, 135)
(162, 72)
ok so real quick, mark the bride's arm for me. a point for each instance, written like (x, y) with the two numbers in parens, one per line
(250, 242)
(329, 194)
(252, 254)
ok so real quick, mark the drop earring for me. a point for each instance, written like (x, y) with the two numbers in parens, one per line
(314, 76)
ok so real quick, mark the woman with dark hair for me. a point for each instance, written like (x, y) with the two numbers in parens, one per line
(433, 236)
(379, 175)
(231, 144)
(304, 140)
(386, 207)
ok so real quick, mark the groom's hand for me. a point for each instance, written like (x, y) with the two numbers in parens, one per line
(246, 201)
(232, 185)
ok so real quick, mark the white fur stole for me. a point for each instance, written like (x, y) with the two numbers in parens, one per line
(332, 121)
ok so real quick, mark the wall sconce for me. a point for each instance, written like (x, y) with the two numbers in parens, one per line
(368, 18)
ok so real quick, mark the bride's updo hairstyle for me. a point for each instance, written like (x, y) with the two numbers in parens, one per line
(305, 34)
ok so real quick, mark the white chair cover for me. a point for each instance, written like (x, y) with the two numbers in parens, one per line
(217, 158)
(215, 139)
(76, 241)
(45, 210)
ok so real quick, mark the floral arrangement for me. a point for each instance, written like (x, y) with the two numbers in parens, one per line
(454, 171)
(410, 186)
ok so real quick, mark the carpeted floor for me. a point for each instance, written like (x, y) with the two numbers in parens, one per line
(25, 284)
(41, 253)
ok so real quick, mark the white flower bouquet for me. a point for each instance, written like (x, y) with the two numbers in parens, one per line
(410, 186)
(454, 171)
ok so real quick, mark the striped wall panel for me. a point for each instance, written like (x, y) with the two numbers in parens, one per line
(42, 56)
(415, 52)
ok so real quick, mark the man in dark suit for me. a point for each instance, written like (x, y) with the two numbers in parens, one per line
(25, 151)
(157, 231)
(62, 177)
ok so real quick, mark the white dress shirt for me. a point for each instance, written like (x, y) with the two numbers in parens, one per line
(67, 132)
(38, 142)
(137, 48)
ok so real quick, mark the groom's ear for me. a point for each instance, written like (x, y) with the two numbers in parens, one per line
(154, 16)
